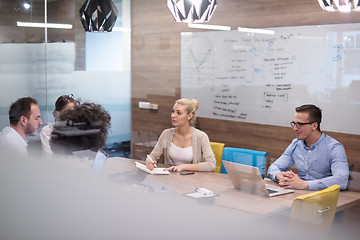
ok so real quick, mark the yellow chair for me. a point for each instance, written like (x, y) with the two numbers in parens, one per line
(218, 151)
(314, 213)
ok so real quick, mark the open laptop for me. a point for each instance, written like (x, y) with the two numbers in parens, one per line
(99, 162)
(248, 178)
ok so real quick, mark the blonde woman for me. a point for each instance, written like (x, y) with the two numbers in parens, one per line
(183, 146)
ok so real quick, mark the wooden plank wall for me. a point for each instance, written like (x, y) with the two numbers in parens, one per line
(155, 57)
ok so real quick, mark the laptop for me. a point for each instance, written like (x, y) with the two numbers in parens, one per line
(247, 178)
(99, 162)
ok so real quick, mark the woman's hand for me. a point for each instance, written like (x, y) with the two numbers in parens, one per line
(149, 164)
(177, 168)
(194, 167)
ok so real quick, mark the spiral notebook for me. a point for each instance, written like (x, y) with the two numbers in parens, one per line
(160, 171)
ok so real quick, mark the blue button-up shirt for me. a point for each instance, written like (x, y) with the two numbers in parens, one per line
(322, 165)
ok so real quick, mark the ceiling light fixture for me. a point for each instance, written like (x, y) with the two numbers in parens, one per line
(207, 26)
(341, 5)
(256, 30)
(43, 25)
(192, 11)
(98, 15)
(26, 5)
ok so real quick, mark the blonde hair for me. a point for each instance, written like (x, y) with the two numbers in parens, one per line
(191, 106)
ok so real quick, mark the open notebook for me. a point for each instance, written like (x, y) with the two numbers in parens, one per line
(154, 171)
(248, 178)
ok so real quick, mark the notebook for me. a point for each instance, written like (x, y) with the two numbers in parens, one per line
(154, 171)
(99, 162)
(248, 178)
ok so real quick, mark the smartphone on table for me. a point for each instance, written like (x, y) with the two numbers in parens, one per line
(186, 173)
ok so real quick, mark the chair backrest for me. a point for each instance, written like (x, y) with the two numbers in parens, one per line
(245, 156)
(314, 213)
(218, 151)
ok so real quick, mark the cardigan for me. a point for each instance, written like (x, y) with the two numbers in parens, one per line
(200, 145)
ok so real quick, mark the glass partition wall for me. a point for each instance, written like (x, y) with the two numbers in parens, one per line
(45, 62)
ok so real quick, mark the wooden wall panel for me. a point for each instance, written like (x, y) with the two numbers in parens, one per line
(156, 67)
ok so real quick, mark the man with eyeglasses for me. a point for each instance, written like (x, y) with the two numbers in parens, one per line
(25, 121)
(319, 159)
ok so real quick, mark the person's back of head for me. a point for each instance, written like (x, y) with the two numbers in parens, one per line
(84, 127)
(63, 103)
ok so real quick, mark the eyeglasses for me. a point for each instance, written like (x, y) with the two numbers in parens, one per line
(299, 124)
(62, 101)
(65, 98)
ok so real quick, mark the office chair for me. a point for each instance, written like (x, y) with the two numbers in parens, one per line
(313, 213)
(218, 151)
(245, 156)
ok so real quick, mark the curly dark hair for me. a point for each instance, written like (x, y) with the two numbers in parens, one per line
(85, 127)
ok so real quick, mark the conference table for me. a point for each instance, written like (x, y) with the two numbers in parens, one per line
(228, 197)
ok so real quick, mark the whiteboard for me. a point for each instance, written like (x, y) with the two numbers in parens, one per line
(261, 78)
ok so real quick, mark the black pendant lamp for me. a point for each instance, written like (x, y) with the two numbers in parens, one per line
(98, 15)
(192, 11)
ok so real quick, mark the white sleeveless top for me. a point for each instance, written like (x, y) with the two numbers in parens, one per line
(180, 155)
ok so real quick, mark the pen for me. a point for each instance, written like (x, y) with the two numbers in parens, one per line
(151, 160)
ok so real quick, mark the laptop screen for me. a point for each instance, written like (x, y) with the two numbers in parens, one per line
(248, 178)
(99, 162)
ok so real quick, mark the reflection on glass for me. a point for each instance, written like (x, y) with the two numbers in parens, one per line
(93, 66)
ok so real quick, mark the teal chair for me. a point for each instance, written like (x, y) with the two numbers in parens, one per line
(245, 156)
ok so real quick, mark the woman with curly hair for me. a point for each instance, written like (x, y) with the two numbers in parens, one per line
(85, 127)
